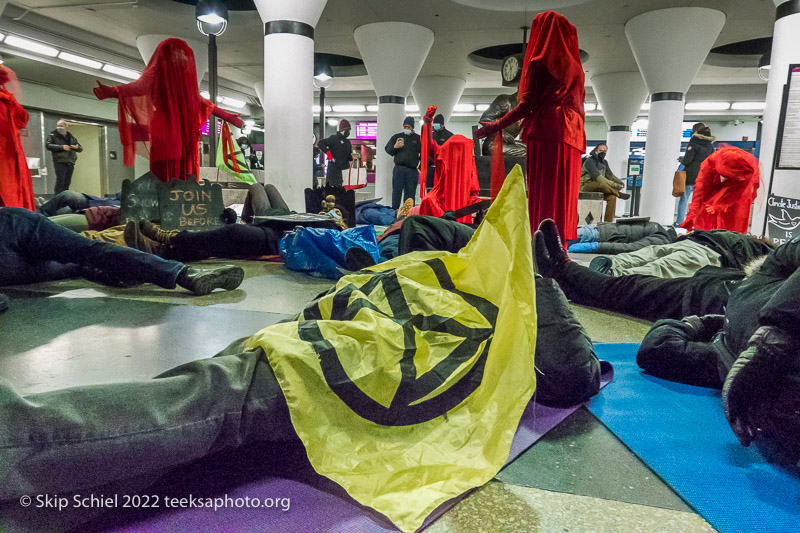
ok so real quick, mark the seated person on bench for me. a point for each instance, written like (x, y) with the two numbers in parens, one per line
(721, 328)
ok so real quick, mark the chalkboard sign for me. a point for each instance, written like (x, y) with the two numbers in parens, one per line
(187, 205)
(783, 219)
(140, 199)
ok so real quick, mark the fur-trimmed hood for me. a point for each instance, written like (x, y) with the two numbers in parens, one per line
(701, 137)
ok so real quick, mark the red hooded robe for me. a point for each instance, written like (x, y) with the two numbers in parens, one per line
(551, 97)
(455, 184)
(16, 185)
(724, 191)
(161, 113)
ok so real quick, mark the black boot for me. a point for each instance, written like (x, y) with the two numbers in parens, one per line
(135, 239)
(601, 264)
(151, 231)
(202, 282)
(551, 258)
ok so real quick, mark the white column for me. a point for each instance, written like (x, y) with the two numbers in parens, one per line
(147, 44)
(442, 91)
(670, 46)
(621, 95)
(289, 94)
(785, 51)
(393, 53)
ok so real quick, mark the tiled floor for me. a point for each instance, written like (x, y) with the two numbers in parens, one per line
(580, 477)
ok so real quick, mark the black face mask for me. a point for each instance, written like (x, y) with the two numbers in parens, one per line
(601, 155)
(346, 133)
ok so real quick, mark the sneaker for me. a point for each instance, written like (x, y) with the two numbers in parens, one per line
(202, 282)
(601, 264)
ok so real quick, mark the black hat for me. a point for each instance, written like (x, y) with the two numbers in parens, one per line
(439, 119)
(409, 121)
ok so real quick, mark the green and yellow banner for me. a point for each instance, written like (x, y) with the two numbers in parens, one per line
(407, 381)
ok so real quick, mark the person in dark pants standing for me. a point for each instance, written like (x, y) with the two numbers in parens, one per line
(700, 147)
(405, 148)
(340, 148)
(65, 148)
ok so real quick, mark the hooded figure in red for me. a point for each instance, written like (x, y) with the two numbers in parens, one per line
(724, 191)
(16, 185)
(455, 184)
(161, 113)
(551, 96)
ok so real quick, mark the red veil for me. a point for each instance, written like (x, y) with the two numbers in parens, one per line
(161, 113)
(455, 184)
(724, 191)
(16, 185)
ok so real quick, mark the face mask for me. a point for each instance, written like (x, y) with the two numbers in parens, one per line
(437, 127)
(61, 129)
(601, 155)
(408, 132)
(346, 133)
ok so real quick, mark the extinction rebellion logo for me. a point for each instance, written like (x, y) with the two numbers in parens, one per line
(783, 218)
(412, 403)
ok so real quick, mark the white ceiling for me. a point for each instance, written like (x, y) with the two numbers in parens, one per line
(459, 30)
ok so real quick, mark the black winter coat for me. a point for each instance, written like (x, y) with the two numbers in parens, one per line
(342, 151)
(409, 155)
(700, 147)
(56, 143)
(622, 238)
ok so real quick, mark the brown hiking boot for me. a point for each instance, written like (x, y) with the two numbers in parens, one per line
(623, 195)
(405, 208)
(151, 231)
(136, 240)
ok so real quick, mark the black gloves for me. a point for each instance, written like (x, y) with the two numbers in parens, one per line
(754, 379)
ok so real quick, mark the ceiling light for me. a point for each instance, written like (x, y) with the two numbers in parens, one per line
(31, 46)
(220, 98)
(482, 107)
(588, 106)
(645, 107)
(707, 106)
(250, 122)
(80, 60)
(412, 109)
(333, 122)
(748, 106)
(212, 17)
(372, 108)
(233, 102)
(464, 108)
(205, 94)
(120, 71)
(316, 109)
(349, 108)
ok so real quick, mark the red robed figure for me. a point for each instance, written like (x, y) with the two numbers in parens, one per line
(455, 184)
(724, 191)
(161, 113)
(16, 186)
(551, 96)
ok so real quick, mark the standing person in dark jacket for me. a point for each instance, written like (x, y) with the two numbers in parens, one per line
(440, 136)
(596, 176)
(65, 148)
(700, 147)
(340, 148)
(405, 148)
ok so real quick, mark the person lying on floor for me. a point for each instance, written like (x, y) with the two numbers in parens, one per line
(33, 249)
(609, 238)
(687, 255)
(719, 328)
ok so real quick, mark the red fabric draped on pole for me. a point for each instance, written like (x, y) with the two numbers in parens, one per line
(455, 184)
(551, 96)
(724, 191)
(16, 185)
(161, 113)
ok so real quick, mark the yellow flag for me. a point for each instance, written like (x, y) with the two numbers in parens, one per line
(406, 382)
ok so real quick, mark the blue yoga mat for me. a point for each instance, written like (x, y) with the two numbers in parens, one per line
(680, 431)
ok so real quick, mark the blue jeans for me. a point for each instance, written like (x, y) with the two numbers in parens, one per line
(683, 204)
(33, 249)
(69, 201)
(404, 185)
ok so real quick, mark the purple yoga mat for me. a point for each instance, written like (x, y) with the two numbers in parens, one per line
(270, 473)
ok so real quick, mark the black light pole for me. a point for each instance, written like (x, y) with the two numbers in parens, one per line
(323, 78)
(212, 20)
